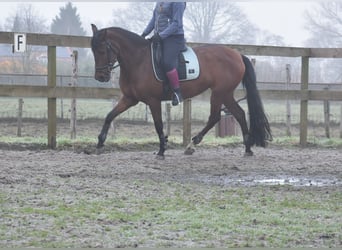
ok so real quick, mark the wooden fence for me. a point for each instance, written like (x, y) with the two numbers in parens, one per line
(51, 91)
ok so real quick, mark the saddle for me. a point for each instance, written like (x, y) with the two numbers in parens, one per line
(188, 66)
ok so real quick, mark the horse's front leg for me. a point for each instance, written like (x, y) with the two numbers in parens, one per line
(123, 104)
(155, 108)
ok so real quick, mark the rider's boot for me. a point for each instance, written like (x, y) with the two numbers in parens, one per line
(174, 81)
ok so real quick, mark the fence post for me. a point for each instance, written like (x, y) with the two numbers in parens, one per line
(326, 108)
(341, 123)
(114, 102)
(52, 107)
(304, 87)
(62, 108)
(20, 116)
(113, 124)
(168, 118)
(187, 122)
(288, 104)
(74, 77)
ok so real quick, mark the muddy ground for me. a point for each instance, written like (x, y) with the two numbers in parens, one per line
(82, 173)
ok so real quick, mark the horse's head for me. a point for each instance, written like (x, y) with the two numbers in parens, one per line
(105, 54)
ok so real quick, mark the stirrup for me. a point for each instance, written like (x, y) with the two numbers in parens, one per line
(176, 99)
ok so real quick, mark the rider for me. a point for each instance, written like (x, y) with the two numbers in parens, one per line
(167, 23)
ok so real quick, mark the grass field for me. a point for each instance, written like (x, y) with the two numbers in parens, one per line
(186, 214)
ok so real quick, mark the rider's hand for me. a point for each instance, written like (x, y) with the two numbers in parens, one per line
(155, 38)
(143, 35)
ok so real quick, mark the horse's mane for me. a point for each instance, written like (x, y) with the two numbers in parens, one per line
(131, 36)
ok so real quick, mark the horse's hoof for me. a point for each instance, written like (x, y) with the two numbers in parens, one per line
(196, 140)
(248, 153)
(189, 151)
(99, 150)
(87, 151)
(160, 157)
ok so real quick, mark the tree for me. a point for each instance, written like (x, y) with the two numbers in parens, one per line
(68, 22)
(264, 37)
(133, 18)
(26, 19)
(325, 25)
(210, 21)
(218, 22)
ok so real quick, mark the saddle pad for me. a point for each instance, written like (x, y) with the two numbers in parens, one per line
(191, 64)
(188, 65)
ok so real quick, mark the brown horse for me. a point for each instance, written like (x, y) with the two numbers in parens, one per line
(222, 69)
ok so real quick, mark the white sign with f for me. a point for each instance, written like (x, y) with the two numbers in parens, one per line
(19, 42)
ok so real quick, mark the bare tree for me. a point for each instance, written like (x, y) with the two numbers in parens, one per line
(135, 17)
(26, 19)
(218, 22)
(325, 24)
(210, 21)
(264, 37)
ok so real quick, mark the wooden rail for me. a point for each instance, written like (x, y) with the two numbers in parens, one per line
(84, 42)
(58, 92)
(52, 92)
(110, 93)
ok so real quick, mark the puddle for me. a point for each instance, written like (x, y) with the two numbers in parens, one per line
(291, 181)
(299, 182)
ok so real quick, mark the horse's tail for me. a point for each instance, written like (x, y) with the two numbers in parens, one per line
(259, 128)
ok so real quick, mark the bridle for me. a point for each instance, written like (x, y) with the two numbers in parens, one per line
(111, 61)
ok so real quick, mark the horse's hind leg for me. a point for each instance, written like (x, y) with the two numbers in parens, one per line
(239, 114)
(123, 104)
(215, 116)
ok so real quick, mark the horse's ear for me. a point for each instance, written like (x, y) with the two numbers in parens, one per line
(94, 28)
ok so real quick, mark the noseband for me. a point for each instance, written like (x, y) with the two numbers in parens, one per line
(110, 65)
